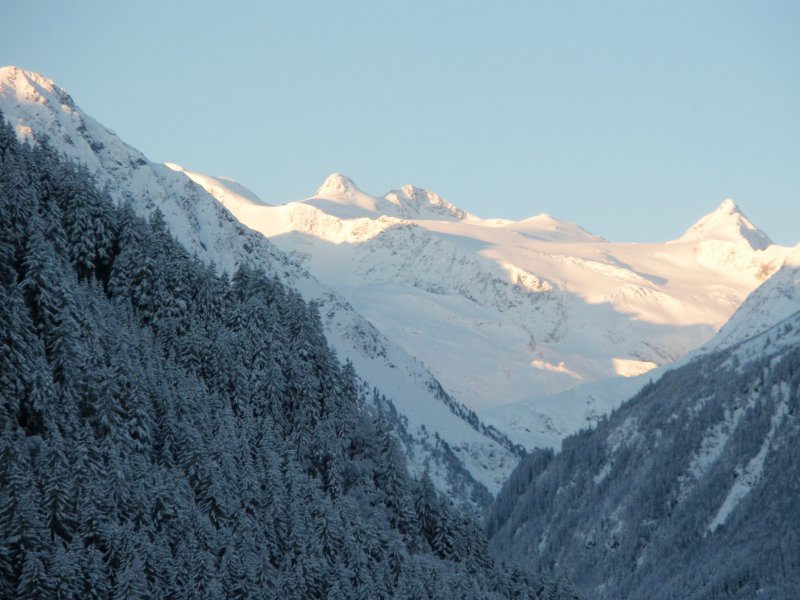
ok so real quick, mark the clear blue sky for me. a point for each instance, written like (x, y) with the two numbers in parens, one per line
(630, 118)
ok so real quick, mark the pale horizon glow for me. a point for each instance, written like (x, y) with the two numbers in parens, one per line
(632, 120)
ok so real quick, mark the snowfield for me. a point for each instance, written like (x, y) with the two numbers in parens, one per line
(511, 316)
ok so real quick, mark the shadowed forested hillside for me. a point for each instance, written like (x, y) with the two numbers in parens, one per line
(170, 432)
(689, 490)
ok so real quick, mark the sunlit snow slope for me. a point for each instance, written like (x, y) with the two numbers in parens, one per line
(443, 435)
(508, 312)
(775, 300)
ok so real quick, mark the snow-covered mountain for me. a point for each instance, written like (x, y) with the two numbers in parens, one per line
(689, 489)
(512, 315)
(548, 418)
(441, 433)
(537, 325)
(775, 300)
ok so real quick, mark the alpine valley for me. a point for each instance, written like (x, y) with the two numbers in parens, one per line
(504, 314)
(359, 382)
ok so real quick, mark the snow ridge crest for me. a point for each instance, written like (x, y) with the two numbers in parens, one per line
(413, 201)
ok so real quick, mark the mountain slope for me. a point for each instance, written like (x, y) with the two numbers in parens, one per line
(689, 489)
(224, 189)
(461, 454)
(169, 432)
(507, 312)
(549, 418)
(776, 299)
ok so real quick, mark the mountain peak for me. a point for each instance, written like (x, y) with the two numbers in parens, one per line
(414, 202)
(337, 185)
(728, 206)
(727, 223)
(12, 75)
(29, 87)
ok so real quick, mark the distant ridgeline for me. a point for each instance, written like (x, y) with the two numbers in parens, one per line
(690, 490)
(168, 432)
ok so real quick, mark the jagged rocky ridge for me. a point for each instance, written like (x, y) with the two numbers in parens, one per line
(690, 489)
(166, 431)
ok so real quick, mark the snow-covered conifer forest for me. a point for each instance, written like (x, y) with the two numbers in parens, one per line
(170, 432)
